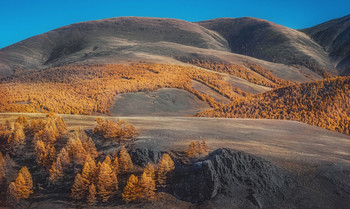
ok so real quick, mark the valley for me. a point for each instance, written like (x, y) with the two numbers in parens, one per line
(136, 112)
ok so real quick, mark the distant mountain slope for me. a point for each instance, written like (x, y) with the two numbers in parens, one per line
(106, 38)
(334, 36)
(268, 41)
(323, 103)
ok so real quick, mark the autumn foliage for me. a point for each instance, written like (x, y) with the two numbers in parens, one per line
(323, 103)
(197, 149)
(166, 165)
(22, 187)
(119, 130)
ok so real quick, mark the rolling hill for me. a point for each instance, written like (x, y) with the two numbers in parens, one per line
(268, 41)
(230, 112)
(288, 53)
(333, 36)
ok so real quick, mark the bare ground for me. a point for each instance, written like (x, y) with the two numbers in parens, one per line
(279, 141)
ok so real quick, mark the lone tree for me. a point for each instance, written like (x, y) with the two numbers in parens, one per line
(166, 165)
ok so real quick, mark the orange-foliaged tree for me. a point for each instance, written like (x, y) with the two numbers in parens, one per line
(22, 187)
(118, 131)
(125, 163)
(197, 149)
(85, 89)
(165, 166)
(132, 189)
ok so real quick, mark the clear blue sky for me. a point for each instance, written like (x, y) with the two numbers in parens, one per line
(21, 19)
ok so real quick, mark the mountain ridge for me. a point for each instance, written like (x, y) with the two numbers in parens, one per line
(131, 39)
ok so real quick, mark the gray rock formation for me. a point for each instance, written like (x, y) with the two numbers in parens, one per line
(234, 174)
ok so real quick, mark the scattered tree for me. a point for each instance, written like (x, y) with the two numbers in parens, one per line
(132, 189)
(166, 165)
(125, 163)
(91, 199)
(197, 149)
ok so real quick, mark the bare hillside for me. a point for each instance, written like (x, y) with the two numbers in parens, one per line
(268, 41)
(333, 36)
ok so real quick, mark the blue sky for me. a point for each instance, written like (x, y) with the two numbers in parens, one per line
(21, 19)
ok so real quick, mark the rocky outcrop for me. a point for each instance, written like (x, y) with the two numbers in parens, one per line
(234, 174)
(142, 156)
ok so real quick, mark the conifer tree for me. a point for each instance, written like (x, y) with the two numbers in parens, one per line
(115, 165)
(132, 189)
(191, 151)
(91, 199)
(89, 170)
(148, 187)
(79, 188)
(64, 157)
(125, 163)
(17, 136)
(149, 170)
(61, 126)
(23, 121)
(2, 168)
(107, 182)
(12, 193)
(8, 125)
(24, 183)
(56, 171)
(166, 165)
(204, 148)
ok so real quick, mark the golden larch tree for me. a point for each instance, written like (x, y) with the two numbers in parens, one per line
(132, 189)
(125, 163)
(79, 188)
(23, 121)
(24, 183)
(91, 199)
(107, 182)
(115, 165)
(148, 187)
(166, 165)
(17, 136)
(191, 151)
(150, 171)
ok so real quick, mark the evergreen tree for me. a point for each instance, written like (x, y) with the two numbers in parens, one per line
(115, 165)
(23, 121)
(125, 163)
(56, 171)
(148, 187)
(24, 183)
(132, 189)
(191, 151)
(89, 170)
(79, 188)
(91, 199)
(166, 165)
(17, 136)
(149, 170)
(12, 194)
(107, 182)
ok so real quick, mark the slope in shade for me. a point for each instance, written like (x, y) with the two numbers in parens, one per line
(334, 37)
(268, 41)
